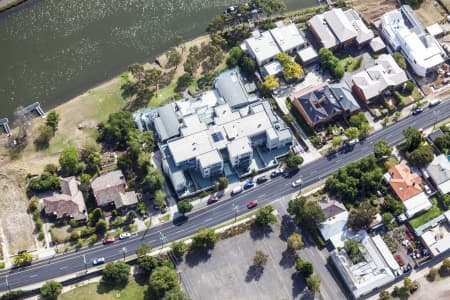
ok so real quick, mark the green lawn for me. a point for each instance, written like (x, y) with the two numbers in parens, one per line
(163, 94)
(95, 291)
(427, 216)
(164, 218)
(350, 63)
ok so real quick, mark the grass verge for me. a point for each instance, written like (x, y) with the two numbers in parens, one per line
(164, 218)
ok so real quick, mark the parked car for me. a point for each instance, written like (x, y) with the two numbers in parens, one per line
(427, 189)
(124, 235)
(434, 102)
(213, 199)
(220, 194)
(109, 240)
(236, 190)
(297, 183)
(399, 259)
(249, 184)
(288, 173)
(261, 179)
(417, 111)
(353, 142)
(252, 204)
(276, 173)
(98, 261)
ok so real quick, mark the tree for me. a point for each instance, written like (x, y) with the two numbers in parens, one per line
(234, 56)
(432, 274)
(409, 87)
(271, 83)
(163, 279)
(306, 213)
(313, 283)
(173, 58)
(204, 239)
(43, 140)
(291, 70)
(260, 258)
(184, 206)
(183, 82)
(393, 206)
(13, 295)
(336, 141)
(101, 226)
(52, 120)
(131, 215)
(399, 59)
(352, 133)
(223, 182)
(69, 161)
(51, 289)
(247, 65)
(137, 70)
(160, 199)
(95, 215)
(153, 180)
(338, 71)
(362, 216)
(24, 258)
(381, 149)
(293, 161)
(93, 162)
(217, 23)
(51, 169)
(265, 216)
(118, 129)
(422, 156)
(305, 268)
(295, 242)
(409, 284)
(178, 248)
(143, 249)
(149, 263)
(358, 120)
(385, 295)
(413, 138)
(387, 219)
(443, 143)
(445, 268)
(116, 273)
(175, 294)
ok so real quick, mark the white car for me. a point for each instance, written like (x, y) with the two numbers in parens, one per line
(297, 183)
(124, 235)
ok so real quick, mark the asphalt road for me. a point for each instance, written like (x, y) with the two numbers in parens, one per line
(67, 263)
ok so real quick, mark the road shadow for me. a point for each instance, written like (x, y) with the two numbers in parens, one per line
(298, 285)
(259, 232)
(287, 227)
(194, 257)
(254, 273)
(287, 260)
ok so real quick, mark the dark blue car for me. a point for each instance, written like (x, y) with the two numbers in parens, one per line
(248, 185)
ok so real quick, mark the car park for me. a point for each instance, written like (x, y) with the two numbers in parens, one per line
(297, 183)
(124, 235)
(249, 184)
(252, 204)
(98, 261)
(109, 240)
(417, 111)
(261, 179)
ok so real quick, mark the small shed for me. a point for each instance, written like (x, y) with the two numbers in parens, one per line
(377, 45)
(435, 30)
(308, 55)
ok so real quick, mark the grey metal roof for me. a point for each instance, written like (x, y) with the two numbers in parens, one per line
(167, 125)
(231, 88)
(345, 97)
(439, 169)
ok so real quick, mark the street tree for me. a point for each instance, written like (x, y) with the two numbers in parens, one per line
(24, 258)
(178, 248)
(293, 161)
(265, 216)
(160, 199)
(260, 258)
(336, 142)
(295, 242)
(413, 138)
(153, 181)
(184, 206)
(116, 273)
(163, 279)
(381, 149)
(352, 133)
(204, 239)
(143, 249)
(432, 274)
(305, 268)
(101, 226)
(421, 156)
(51, 290)
(313, 283)
(223, 182)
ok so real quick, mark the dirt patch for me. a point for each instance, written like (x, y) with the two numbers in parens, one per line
(370, 10)
(430, 12)
(446, 3)
(17, 225)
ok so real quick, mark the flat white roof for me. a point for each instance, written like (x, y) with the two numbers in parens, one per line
(273, 68)
(377, 44)
(239, 147)
(417, 204)
(287, 37)
(307, 54)
(435, 29)
(263, 46)
(192, 124)
(210, 158)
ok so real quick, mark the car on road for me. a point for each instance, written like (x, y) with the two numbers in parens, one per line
(213, 199)
(417, 111)
(124, 235)
(178, 221)
(289, 173)
(261, 179)
(98, 261)
(109, 240)
(297, 183)
(434, 102)
(249, 184)
(353, 142)
(252, 204)
(276, 173)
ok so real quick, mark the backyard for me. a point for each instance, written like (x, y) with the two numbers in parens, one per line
(350, 63)
(427, 216)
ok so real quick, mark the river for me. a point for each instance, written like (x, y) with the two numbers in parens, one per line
(52, 50)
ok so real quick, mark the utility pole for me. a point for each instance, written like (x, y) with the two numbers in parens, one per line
(162, 238)
(85, 263)
(236, 209)
(124, 252)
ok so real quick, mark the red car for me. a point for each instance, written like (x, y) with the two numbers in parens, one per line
(213, 199)
(252, 204)
(109, 240)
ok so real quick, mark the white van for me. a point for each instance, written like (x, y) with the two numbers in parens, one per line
(236, 190)
(434, 102)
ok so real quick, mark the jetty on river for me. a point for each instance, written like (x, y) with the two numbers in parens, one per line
(4, 124)
(30, 109)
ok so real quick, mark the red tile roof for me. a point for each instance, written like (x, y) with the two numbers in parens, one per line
(405, 183)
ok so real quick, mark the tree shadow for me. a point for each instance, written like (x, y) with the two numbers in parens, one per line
(298, 285)
(258, 232)
(287, 259)
(194, 257)
(254, 273)
(105, 287)
(287, 227)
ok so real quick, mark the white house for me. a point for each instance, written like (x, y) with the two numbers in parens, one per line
(439, 170)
